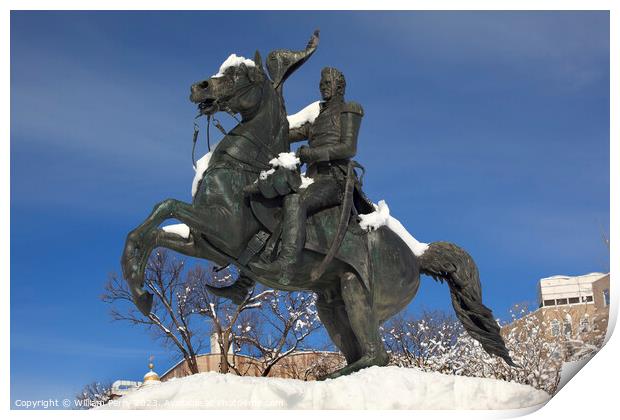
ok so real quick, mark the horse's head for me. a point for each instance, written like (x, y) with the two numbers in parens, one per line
(232, 89)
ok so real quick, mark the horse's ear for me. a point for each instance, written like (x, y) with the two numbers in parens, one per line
(258, 61)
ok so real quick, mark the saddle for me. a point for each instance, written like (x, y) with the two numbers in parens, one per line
(321, 228)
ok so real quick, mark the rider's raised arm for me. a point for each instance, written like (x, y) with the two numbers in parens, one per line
(350, 121)
(299, 133)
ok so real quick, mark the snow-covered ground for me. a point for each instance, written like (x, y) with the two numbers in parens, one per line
(374, 388)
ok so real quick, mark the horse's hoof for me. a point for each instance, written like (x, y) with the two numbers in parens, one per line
(378, 359)
(235, 293)
(144, 302)
(333, 375)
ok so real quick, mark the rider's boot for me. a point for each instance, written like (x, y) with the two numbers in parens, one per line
(293, 238)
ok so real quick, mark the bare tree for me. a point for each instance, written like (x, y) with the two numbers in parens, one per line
(170, 320)
(266, 323)
(93, 395)
(606, 240)
(224, 315)
(279, 329)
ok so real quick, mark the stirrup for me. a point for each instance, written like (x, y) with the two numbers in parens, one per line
(280, 268)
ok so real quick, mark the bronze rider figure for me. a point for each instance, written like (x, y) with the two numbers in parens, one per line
(332, 143)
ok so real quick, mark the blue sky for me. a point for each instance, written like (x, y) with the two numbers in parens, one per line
(487, 129)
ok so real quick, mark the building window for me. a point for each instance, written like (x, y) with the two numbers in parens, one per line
(555, 328)
(606, 297)
(587, 299)
(573, 300)
(549, 302)
(568, 328)
(584, 324)
(562, 301)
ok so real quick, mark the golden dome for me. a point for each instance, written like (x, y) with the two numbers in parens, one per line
(151, 376)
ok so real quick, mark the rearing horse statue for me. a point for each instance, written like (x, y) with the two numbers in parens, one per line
(375, 273)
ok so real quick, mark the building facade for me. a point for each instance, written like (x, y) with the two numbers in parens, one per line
(567, 290)
(575, 306)
(304, 365)
(573, 313)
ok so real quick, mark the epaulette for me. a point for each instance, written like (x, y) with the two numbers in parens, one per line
(353, 107)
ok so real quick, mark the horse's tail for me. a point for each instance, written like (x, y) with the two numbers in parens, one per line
(446, 261)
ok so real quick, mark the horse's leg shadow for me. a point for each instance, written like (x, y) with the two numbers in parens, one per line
(364, 326)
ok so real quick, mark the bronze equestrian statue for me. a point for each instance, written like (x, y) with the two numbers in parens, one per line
(361, 277)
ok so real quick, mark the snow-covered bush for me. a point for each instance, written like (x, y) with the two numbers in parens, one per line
(437, 342)
(422, 342)
(538, 354)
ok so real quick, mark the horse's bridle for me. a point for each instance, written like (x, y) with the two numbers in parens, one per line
(220, 104)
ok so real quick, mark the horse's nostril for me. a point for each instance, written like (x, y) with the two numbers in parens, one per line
(204, 84)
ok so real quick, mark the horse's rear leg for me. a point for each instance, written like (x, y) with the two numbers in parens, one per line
(334, 317)
(364, 324)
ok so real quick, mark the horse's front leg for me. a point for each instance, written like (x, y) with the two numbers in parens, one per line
(142, 240)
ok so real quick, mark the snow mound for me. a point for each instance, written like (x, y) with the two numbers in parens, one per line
(373, 388)
(306, 115)
(287, 160)
(201, 167)
(234, 60)
(381, 217)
